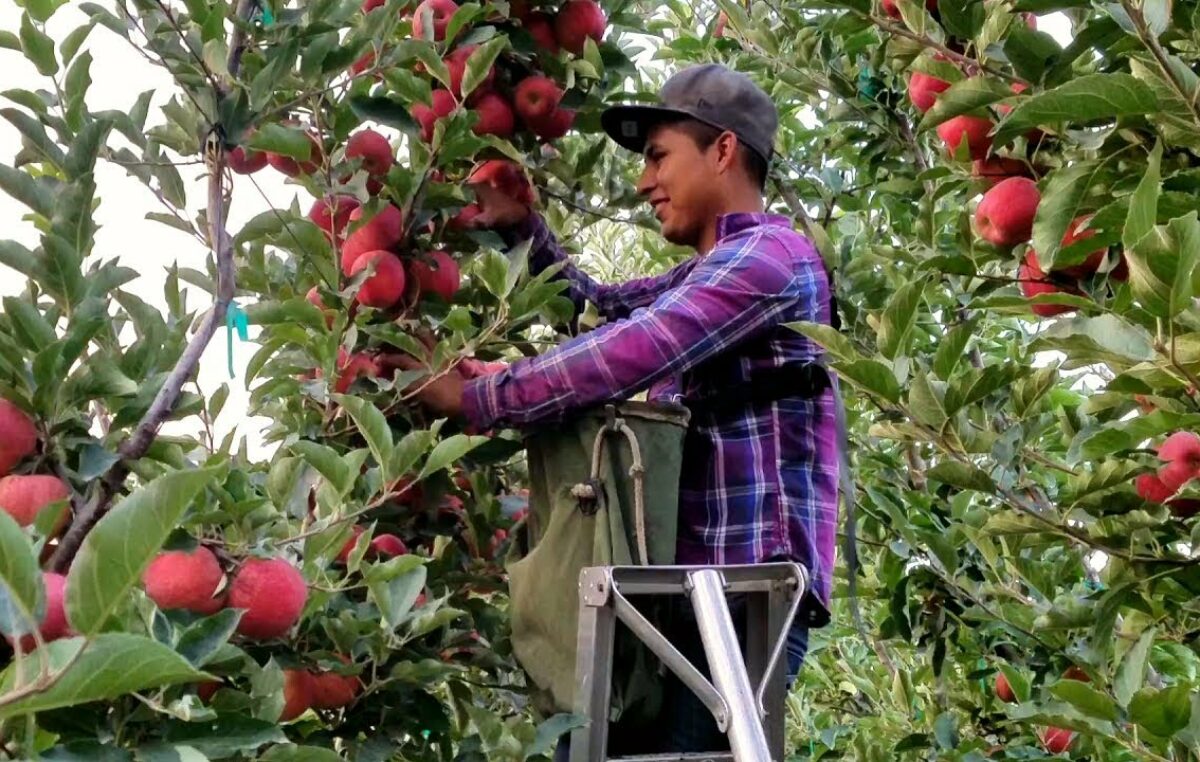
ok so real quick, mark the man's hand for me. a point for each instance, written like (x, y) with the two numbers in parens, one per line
(498, 209)
(441, 392)
(502, 192)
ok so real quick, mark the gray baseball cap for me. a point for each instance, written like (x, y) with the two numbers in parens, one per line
(710, 93)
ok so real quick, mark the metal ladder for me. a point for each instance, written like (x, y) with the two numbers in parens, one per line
(752, 718)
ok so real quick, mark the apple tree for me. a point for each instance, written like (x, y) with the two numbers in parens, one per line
(1012, 218)
(172, 597)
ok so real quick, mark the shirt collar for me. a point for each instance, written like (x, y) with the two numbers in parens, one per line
(732, 224)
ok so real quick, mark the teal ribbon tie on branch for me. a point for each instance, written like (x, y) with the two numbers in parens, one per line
(235, 317)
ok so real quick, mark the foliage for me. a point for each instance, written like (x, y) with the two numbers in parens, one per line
(999, 526)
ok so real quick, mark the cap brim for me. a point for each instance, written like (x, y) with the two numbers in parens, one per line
(630, 125)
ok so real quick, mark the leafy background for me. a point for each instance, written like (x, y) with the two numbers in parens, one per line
(999, 528)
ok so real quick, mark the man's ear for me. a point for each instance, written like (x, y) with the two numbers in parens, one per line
(727, 147)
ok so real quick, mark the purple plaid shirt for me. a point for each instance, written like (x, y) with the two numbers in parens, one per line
(760, 482)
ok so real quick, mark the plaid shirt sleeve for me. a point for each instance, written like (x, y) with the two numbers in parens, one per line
(613, 301)
(741, 288)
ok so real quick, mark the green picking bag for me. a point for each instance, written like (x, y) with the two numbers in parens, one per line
(568, 530)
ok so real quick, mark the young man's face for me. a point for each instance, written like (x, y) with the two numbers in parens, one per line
(682, 184)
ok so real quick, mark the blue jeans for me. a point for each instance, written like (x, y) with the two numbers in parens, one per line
(686, 723)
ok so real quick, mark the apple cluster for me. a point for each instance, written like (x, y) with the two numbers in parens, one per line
(1054, 740)
(23, 496)
(1005, 215)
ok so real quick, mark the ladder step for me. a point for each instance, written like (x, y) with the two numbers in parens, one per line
(722, 756)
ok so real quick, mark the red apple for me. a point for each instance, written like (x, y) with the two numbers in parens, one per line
(1151, 489)
(503, 175)
(373, 149)
(1057, 740)
(437, 274)
(381, 232)
(350, 367)
(536, 98)
(495, 117)
(1074, 234)
(245, 161)
(333, 215)
(465, 218)
(388, 545)
(554, 126)
(427, 116)
(293, 167)
(1035, 282)
(431, 18)
(370, 5)
(578, 20)
(385, 285)
(1004, 690)
(456, 62)
(973, 129)
(541, 28)
(998, 168)
(1005, 215)
(892, 9)
(719, 27)
(923, 90)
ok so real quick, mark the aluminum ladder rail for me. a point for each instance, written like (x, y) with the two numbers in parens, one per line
(753, 719)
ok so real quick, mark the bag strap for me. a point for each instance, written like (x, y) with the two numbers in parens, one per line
(846, 486)
(804, 380)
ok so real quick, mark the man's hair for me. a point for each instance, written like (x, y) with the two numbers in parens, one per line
(704, 135)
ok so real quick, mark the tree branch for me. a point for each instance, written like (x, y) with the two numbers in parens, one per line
(165, 401)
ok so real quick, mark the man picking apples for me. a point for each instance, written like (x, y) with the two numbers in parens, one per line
(760, 472)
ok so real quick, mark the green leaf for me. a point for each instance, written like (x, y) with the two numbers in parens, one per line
(1029, 51)
(395, 587)
(21, 597)
(408, 452)
(1162, 264)
(1063, 195)
(550, 730)
(327, 462)
(202, 640)
(898, 319)
(833, 340)
(448, 451)
(112, 665)
(428, 55)
(1143, 205)
(293, 753)
(1086, 99)
(871, 376)
(38, 47)
(72, 42)
(117, 551)
(371, 424)
(480, 63)
(41, 10)
(1086, 699)
(28, 321)
(36, 135)
(1163, 713)
(230, 734)
(963, 476)
(1132, 672)
(386, 111)
(965, 97)
(951, 350)
(925, 403)
(32, 193)
(287, 141)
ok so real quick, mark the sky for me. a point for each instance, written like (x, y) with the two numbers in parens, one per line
(118, 74)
